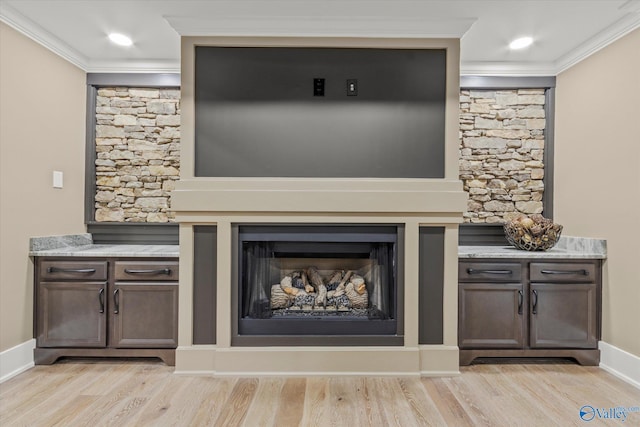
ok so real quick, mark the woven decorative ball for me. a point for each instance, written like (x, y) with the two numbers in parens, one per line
(532, 234)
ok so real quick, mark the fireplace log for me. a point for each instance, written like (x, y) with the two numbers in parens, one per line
(339, 291)
(319, 286)
(345, 279)
(314, 277)
(358, 283)
(286, 285)
(279, 298)
(334, 280)
(321, 299)
(356, 291)
(307, 287)
(291, 291)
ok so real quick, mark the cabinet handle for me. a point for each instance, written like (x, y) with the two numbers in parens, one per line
(70, 270)
(520, 302)
(581, 271)
(101, 299)
(474, 271)
(116, 301)
(166, 271)
(534, 309)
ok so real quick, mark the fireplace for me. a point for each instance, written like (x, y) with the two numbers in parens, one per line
(318, 285)
(298, 200)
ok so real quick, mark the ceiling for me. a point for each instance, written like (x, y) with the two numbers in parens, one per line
(564, 31)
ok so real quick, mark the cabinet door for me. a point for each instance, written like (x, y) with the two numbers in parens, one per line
(563, 315)
(144, 315)
(71, 314)
(490, 315)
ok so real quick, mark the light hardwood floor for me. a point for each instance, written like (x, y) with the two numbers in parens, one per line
(146, 393)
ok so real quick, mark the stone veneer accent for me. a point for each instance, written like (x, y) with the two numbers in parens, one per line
(137, 153)
(501, 153)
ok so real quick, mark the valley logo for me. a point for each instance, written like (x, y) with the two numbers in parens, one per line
(588, 413)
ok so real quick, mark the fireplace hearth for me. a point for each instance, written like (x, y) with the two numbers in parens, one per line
(318, 284)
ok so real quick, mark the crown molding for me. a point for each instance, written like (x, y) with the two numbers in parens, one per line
(320, 26)
(618, 29)
(515, 69)
(162, 66)
(305, 26)
(34, 31)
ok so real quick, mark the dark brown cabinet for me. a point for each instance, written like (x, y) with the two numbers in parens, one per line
(492, 315)
(521, 308)
(564, 305)
(71, 303)
(106, 308)
(71, 314)
(144, 315)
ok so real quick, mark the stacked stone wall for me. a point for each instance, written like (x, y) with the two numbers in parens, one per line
(137, 153)
(501, 153)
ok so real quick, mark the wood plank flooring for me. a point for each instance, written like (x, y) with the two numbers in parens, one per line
(146, 393)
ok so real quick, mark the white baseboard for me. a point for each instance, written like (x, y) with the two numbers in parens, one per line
(620, 363)
(16, 360)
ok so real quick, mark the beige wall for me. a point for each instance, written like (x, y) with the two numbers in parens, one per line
(42, 112)
(597, 174)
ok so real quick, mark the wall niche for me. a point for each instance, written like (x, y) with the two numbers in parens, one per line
(137, 144)
(502, 142)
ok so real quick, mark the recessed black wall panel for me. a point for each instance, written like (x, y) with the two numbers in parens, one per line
(257, 116)
(205, 250)
(431, 285)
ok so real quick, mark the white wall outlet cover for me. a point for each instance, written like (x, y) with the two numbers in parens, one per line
(57, 179)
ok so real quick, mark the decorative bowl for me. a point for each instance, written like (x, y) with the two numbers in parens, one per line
(534, 233)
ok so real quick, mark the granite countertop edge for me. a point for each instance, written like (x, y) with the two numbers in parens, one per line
(567, 247)
(505, 252)
(82, 246)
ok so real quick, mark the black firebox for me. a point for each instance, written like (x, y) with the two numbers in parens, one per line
(317, 284)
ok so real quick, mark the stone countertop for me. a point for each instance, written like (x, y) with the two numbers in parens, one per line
(81, 245)
(567, 247)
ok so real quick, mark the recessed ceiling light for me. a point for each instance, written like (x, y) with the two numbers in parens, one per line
(120, 39)
(520, 43)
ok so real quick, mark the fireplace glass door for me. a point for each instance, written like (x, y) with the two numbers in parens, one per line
(318, 281)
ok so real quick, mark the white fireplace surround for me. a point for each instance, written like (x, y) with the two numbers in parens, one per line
(414, 203)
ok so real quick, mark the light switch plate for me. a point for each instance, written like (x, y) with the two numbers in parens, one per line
(57, 179)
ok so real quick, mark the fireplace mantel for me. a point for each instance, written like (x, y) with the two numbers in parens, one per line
(415, 204)
(320, 195)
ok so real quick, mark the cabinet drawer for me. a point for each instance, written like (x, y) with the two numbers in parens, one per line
(562, 272)
(146, 270)
(69, 270)
(483, 271)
